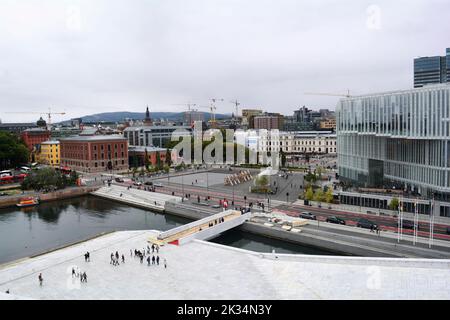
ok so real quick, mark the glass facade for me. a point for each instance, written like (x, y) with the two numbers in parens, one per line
(448, 63)
(405, 132)
(432, 70)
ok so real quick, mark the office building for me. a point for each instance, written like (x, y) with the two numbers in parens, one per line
(432, 70)
(397, 137)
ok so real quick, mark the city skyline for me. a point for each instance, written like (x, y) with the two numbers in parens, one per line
(81, 58)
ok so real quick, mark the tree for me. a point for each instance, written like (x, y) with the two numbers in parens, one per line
(329, 195)
(262, 181)
(146, 161)
(393, 205)
(158, 161)
(168, 157)
(309, 195)
(283, 158)
(318, 195)
(48, 179)
(13, 151)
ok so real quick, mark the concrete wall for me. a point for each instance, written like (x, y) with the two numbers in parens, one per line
(308, 240)
(369, 261)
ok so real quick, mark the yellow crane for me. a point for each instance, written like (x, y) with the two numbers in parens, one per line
(49, 115)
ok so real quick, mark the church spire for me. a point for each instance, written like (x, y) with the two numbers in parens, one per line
(147, 120)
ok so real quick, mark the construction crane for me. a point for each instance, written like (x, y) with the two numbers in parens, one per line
(49, 115)
(213, 109)
(330, 94)
(236, 103)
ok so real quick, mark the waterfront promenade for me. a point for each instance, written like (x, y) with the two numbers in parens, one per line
(202, 270)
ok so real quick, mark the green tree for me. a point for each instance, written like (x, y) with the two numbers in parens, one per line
(309, 195)
(13, 151)
(146, 161)
(48, 179)
(168, 157)
(319, 195)
(158, 161)
(283, 158)
(262, 181)
(393, 205)
(329, 195)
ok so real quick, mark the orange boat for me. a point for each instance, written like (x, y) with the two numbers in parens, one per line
(28, 202)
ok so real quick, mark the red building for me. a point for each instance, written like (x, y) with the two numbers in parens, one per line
(34, 136)
(94, 153)
(137, 156)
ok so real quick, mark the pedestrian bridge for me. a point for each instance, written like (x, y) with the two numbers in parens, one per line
(203, 229)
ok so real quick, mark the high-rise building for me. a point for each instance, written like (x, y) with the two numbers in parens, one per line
(431, 70)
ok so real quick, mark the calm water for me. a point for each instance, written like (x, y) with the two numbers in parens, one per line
(29, 231)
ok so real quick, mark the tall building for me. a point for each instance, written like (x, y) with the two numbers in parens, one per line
(153, 136)
(400, 137)
(432, 70)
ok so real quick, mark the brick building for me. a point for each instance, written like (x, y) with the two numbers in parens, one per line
(94, 153)
(34, 136)
(137, 156)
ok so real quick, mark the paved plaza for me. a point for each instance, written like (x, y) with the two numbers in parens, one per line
(202, 270)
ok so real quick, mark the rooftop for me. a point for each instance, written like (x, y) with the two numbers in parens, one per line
(203, 270)
(94, 138)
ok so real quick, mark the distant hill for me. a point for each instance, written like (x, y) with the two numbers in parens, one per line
(122, 115)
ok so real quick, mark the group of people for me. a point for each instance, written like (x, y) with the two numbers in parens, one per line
(82, 276)
(115, 258)
(151, 258)
(216, 221)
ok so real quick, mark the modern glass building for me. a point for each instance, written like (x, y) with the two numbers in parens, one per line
(399, 138)
(432, 70)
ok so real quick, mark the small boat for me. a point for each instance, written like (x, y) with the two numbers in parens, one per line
(28, 202)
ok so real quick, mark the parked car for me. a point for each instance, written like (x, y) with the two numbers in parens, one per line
(366, 224)
(138, 183)
(148, 183)
(334, 219)
(119, 180)
(407, 224)
(307, 215)
(157, 184)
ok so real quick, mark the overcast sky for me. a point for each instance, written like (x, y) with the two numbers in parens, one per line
(85, 57)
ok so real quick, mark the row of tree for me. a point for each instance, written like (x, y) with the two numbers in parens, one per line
(320, 195)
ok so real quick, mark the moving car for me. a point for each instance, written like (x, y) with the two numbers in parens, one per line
(334, 219)
(307, 215)
(366, 224)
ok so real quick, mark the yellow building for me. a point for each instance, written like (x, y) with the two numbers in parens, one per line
(49, 153)
(328, 124)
